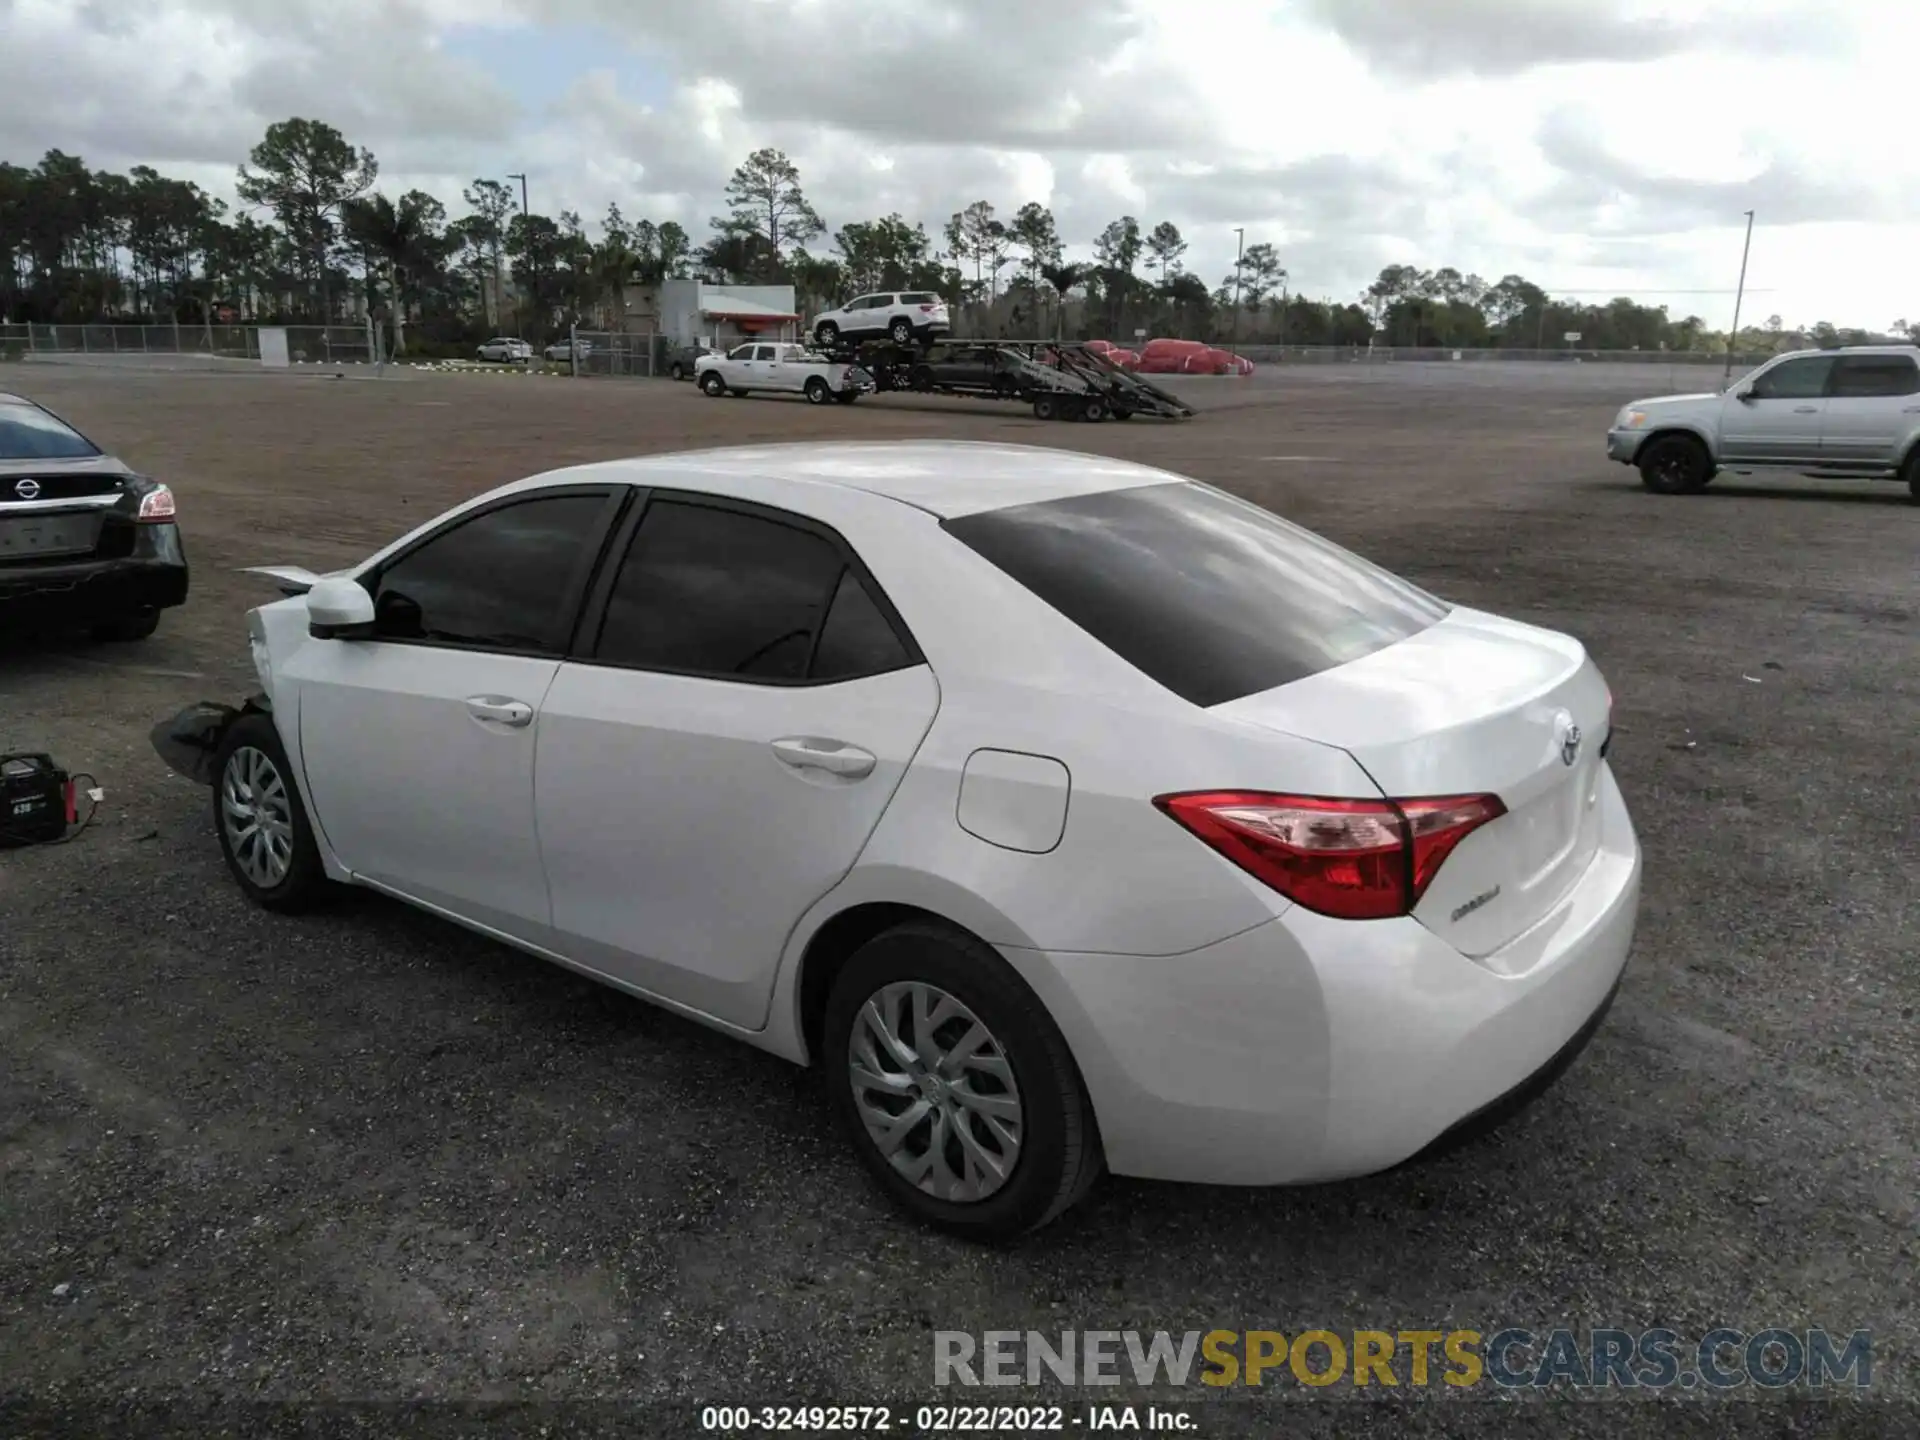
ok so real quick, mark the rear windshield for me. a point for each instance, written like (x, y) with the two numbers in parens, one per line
(1209, 596)
(29, 433)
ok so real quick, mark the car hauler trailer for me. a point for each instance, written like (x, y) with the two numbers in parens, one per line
(1060, 379)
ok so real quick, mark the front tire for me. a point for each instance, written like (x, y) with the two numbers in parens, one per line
(261, 820)
(1675, 465)
(925, 1019)
(129, 629)
(712, 384)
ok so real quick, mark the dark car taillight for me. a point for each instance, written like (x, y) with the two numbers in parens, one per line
(1351, 859)
(157, 507)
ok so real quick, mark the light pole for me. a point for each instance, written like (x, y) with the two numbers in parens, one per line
(1285, 279)
(1733, 336)
(519, 325)
(1239, 254)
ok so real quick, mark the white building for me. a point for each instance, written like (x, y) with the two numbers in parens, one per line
(694, 310)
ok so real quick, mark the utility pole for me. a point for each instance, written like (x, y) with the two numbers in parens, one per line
(519, 323)
(1733, 336)
(1239, 254)
(1285, 280)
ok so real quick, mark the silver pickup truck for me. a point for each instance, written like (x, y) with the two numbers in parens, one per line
(1848, 413)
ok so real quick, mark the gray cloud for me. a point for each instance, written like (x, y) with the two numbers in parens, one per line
(197, 84)
(1433, 39)
(1604, 195)
(1011, 74)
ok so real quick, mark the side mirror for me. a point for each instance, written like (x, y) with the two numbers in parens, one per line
(1744, 394)
(339, 609)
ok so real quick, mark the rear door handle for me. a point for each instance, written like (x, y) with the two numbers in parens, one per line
(1910, 410)
(804, 752)
(500, 710)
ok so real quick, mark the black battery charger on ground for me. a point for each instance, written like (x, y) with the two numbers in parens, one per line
(37, 800)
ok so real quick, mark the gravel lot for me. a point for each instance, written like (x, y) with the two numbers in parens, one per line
(365, 1157)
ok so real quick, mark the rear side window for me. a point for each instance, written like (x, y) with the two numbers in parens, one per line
(30, 433)
(1866, 376)
(1209, 596)
(717, 592)
(919, 299)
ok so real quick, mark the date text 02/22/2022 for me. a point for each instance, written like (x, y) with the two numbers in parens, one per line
(943, 1419)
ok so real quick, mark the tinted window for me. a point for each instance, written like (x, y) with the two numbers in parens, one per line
(1868, 375)
(1208, 595)
(1795, 379)
(30, 433)
(718, 592)
(500, 581)
(919, 299)
(742, 352)
(857, 638)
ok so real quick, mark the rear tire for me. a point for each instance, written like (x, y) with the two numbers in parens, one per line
(816, 391)
(901, 332)
(1045, 408)
(1094, 410)
(1675, 465)
(676, 372)
(1042, 1125)
(1910, 472)
(712, 384)
(261, 820)
(133, 627)
(826, 334)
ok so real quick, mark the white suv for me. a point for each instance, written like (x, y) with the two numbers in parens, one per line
(902, 316)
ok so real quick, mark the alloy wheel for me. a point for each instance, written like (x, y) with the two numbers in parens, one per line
(935, 1091)
(257, 813)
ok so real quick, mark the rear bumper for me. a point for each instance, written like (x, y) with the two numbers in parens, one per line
(88, 591)
(1310, 1049)
(1623, 445)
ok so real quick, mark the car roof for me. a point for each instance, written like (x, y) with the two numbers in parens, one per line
(947, 478)
(7, 398)
(1892, 348)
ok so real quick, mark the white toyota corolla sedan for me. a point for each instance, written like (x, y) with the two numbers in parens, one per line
(1069, 813)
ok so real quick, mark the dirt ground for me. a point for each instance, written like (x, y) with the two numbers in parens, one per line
(365, 1157)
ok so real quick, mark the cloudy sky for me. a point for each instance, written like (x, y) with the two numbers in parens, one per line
(1608, 146)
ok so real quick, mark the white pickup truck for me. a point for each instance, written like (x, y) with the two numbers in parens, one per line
(792, 369)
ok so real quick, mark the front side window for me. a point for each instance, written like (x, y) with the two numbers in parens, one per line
(500, 581)
(29, 433)
(1210, 596)
(731, 595)
(1803, 379)
(741, 352)
(1875, 376)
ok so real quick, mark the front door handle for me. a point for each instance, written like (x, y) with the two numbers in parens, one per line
(1806, 409)
(500, 710)
(1910, 410)
(804, 752)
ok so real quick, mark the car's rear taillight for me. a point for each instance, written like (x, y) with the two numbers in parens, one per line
(1351, 859)
(156, 506)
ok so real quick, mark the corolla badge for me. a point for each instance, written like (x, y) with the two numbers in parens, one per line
(27, 489)
(1570, 738)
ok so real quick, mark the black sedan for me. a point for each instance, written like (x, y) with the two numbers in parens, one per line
(85, 542)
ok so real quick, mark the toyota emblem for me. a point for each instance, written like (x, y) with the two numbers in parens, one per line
(27, 489)
(1570, 745)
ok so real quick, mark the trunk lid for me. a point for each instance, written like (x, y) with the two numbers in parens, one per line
(1474, 704)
